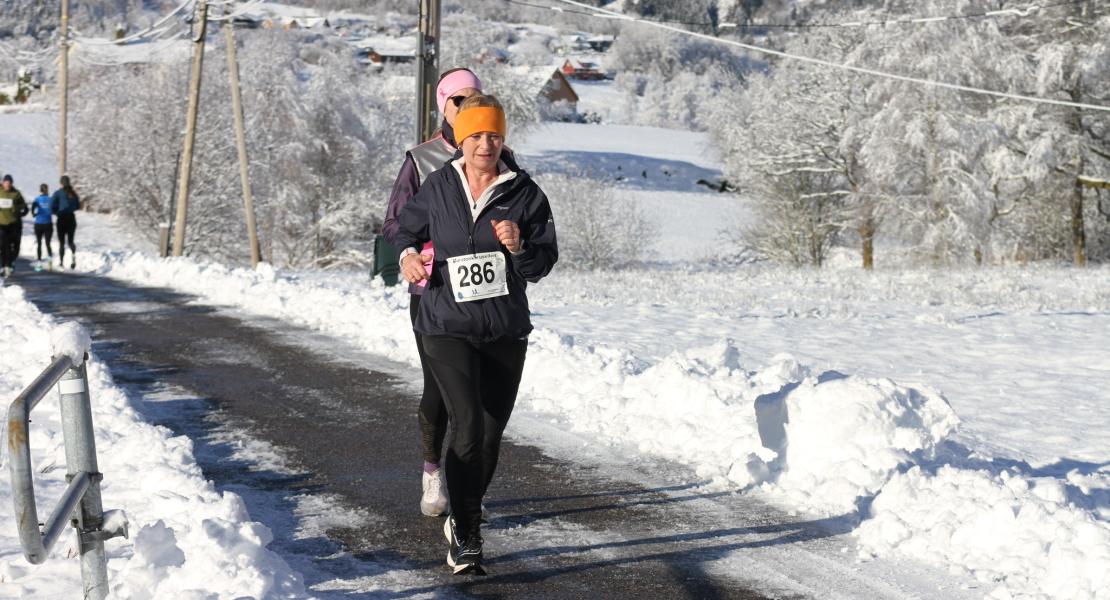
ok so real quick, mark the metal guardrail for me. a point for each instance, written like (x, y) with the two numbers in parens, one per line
(80, 504)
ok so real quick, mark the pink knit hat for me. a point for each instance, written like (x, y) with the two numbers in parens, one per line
(453, 82)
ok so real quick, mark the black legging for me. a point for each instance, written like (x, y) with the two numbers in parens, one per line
(44, 230)
(479, 384)
(432, 415)
(9, 235)
(67, 225)
(16, 239)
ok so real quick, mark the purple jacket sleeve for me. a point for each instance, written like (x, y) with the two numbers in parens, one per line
(406, 186)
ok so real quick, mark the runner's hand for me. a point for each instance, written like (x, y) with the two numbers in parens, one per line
(412, 267)
(508, 233)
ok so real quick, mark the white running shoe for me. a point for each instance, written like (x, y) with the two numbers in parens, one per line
(434, 501)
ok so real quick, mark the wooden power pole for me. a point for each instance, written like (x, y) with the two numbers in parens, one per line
(241, 139)
(427, 70)
(190, 130)
(63, 88)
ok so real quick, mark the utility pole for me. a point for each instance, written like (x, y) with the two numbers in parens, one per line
(427, 70)
(241, 138)
(63, 85)
(190, 131)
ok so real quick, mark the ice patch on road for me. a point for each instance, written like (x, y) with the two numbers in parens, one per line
(318, 513)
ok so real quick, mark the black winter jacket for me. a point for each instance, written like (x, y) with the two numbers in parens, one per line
(439, 213)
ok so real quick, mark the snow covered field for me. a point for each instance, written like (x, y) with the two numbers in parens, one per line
(961, 417)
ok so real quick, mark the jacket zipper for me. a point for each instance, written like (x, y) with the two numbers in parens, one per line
(470, 245)
(474, 220)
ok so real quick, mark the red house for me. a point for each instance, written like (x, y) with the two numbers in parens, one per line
(580, 69)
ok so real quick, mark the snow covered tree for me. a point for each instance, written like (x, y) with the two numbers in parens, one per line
(127, 152)
(1063, 144)
(463, 46)
(934, 150)
(667, 77)
(596, 229)
(324, 142)
(791, 141)
(701, 15)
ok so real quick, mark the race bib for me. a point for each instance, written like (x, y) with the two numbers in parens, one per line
(5, 202)
(478, 276)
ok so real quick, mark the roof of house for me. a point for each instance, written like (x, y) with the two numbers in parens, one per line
(285, 13)
(537, 77)
(387, 46)
(579, 65)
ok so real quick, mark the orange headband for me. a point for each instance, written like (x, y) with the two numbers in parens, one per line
(477, 119)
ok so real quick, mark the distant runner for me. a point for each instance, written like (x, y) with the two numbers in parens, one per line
(44, 224)
(12, 209)
(65, 203)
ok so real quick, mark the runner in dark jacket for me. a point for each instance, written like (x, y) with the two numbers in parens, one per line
(65, 203)
(493, 233)
(422, 160)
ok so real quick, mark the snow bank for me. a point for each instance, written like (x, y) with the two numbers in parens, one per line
(842, 438)
(1025, 535)
(188, 540)
(817, 442)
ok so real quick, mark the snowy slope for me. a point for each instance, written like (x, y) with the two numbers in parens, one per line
(985, 456)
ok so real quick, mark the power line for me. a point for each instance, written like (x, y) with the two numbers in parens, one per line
(854, 69)
(1007, 12)
(572, 11)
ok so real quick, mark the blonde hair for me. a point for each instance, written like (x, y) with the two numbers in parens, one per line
(481, 100)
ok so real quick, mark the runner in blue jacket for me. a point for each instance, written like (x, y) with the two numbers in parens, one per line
(44, 223)
(493, 232)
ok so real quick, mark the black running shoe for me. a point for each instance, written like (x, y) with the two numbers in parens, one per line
(464, 553)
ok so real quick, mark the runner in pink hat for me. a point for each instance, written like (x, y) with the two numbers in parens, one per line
(454, 86)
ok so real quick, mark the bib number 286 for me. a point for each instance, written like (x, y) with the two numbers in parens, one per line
(478, 276)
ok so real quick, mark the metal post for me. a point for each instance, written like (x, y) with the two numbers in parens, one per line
(241, 140)
(190, 131)
(77, 428)
(163, 240)
(427, 70)
(63, 87)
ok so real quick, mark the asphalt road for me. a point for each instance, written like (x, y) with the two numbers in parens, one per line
(347, 432)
